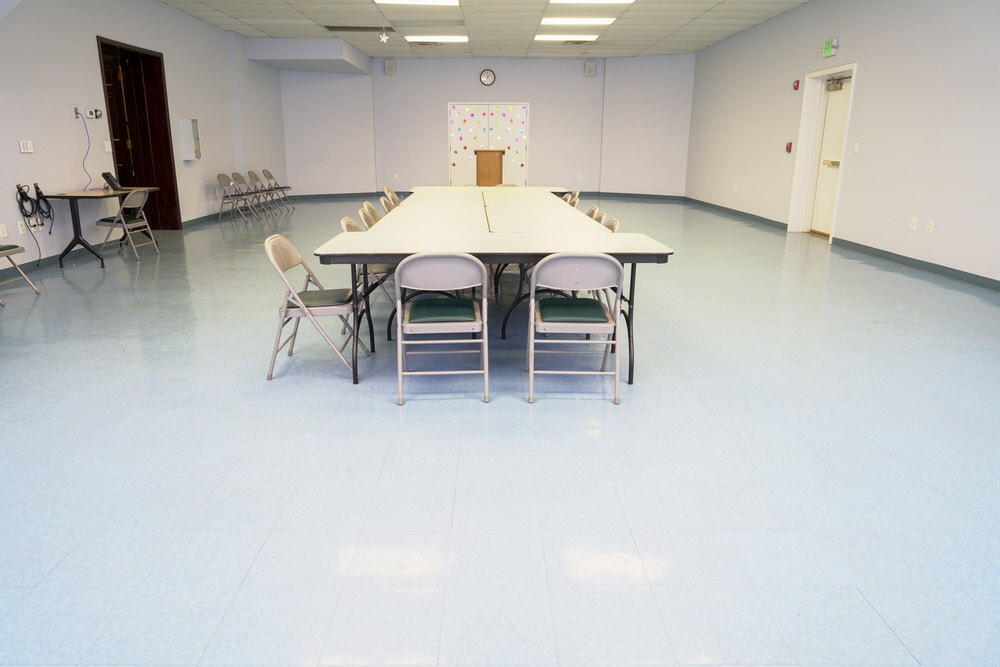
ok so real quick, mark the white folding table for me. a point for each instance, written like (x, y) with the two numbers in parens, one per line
(497, 225)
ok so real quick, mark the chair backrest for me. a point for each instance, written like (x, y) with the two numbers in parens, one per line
(255, 179)
(578, 272)
(225, 182)
(386, 204)
(134, 201)
(612, 224)
(349, 224)
(601, 216)
(366, 218)
(370, 207)
(269, 177)
(576, 194)
(574, 201)
(593, 211)
(240, 182)
(391, 195)
(567, 197)
(439, 271)
(282, 254)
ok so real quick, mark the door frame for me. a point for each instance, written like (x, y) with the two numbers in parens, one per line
(810, 142)
(164, 167)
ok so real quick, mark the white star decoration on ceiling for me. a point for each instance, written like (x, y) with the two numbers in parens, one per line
(384, 38)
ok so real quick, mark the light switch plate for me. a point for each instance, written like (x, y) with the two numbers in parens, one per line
(26, 146)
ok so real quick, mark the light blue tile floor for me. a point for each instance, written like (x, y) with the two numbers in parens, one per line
(806, 471)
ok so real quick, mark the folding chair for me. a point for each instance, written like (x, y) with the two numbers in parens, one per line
(379, 273)
(592, 212)
(367, 218)
(132, 220)
(306, 303)
(386, 204)
(7, 251)
(612, 224)
(280, 189)
(231, 195)
(251, 194)
(600, 217)
(435, 315)
(557, 316)
(392, 196)
(269, 194)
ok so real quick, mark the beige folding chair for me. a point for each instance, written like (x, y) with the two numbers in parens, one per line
(231, 195)
(592, 212)
(280, 189)
(386, 204)
(379, 273)
(306, 303)
(612, 224)
(367, 219)
(392, 196)
(266, 191)
(567, 197)
(439, 315)
(574, 201)
(370, 207)
(562, 320)
(131, 220)
(253, 196)
(600, 217)
(7, 251)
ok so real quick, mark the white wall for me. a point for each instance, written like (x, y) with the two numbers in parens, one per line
(329, 132)
(647, 121)
(334, 148)
(49, 48)
(923, 115)
(564, 109)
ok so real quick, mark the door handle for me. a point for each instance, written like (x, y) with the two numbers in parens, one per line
(832, 163)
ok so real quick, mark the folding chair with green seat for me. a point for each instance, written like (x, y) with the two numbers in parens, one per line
(132, 220)
(437, 316)
(7, 251)
(306, 303)
(577, 316)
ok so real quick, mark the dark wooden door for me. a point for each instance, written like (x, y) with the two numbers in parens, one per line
(139, 123)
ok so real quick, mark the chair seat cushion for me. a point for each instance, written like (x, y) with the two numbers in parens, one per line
(318, 298)
(571, 310)
(442, 310)
(128, 221)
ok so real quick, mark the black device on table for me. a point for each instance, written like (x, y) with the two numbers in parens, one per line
(112, 182)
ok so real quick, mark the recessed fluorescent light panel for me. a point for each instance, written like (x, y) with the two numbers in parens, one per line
(565, 38)
(451, 3)
(578, 21)
(437, 38)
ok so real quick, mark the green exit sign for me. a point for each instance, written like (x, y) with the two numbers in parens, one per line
(830, 47)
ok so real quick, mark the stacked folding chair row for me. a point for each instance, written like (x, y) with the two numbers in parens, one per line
(252, 194)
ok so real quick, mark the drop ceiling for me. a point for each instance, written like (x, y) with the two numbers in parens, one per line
(496, 28)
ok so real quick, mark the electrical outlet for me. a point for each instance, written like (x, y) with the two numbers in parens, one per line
(21, 228)
(930, 225)
(913, 224)
(3, 231)
(395, 177)
(579, 177)
(76, 112)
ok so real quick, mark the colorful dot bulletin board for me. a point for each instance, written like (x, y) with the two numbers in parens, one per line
(473, 125)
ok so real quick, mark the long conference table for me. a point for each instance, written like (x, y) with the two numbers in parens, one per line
(517, 225)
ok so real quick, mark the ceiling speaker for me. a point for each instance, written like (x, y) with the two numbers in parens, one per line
(589, 68)
(390, 66)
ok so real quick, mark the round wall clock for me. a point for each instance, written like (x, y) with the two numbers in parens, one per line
(487, 77)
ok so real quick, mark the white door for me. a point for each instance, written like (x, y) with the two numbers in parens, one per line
(473, 125)
(831, 153)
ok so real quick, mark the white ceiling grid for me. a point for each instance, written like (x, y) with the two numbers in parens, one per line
(496, 28)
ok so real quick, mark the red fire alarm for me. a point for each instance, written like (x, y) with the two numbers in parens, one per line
(788, 147)
(795, 85)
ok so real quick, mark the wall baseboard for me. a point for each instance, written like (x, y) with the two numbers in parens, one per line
(930, 267)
